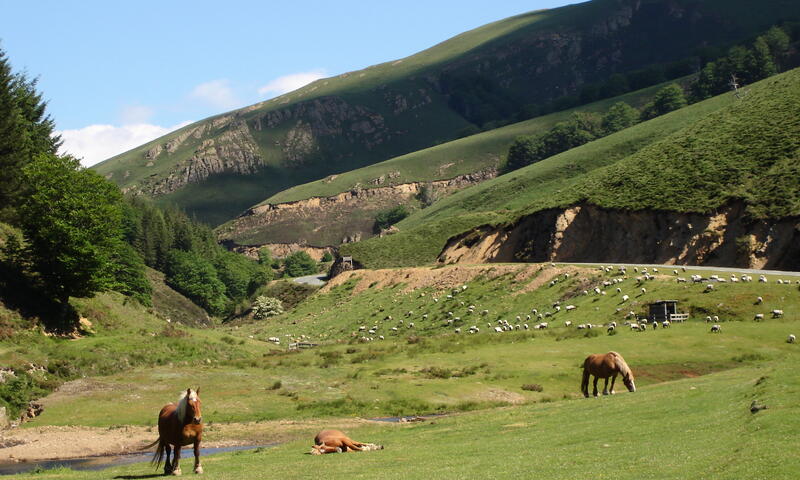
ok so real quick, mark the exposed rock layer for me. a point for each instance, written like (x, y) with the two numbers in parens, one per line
(593, 234)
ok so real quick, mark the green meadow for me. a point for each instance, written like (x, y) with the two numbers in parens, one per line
(689, 418)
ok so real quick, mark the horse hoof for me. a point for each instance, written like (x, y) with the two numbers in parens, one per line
(176, 472)
(198, 470)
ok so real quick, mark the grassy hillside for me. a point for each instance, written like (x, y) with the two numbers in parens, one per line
(691, 160)
(218, 167)
(481, 152)
(694, 388)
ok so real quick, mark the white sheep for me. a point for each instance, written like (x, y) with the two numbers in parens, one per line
(625, 298)
(758, 317)
(759, 301)
(458, 330)
(644, 290)
(791, 339)
(716, 328)
(498, 329)
(570, 308)
(610, 328)
(567, 323)
(777, 313)
(665, 324)
(709, 287)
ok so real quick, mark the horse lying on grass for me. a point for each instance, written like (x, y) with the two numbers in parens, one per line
(335, 441)
(604, 366)
(179, 424)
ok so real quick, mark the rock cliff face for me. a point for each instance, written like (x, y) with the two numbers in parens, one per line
(337, 218)
(589, 233)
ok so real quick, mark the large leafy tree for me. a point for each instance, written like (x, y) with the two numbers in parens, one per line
(71, 218)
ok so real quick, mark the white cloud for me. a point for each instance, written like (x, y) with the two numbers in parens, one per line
(216, 93)
(95, 143)
(288, 83)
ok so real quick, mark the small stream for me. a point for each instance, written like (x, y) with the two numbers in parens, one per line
(107, 461)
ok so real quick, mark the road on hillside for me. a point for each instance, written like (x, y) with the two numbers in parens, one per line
(690, 267)
(316, 280)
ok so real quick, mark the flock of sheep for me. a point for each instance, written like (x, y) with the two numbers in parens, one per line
(536, 320)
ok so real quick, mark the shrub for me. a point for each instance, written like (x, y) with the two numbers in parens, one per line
(387, 218)
(532, 387)
(299, 264)
(265, 307)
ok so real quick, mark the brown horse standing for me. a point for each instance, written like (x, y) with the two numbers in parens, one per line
(335, 441)
(603, 366)
(179, 424)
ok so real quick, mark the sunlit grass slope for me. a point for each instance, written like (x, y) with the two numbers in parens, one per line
(692, 160)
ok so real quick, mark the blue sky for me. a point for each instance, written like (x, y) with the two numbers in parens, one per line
(118, 74)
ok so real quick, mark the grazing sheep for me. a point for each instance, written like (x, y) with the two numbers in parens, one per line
(674, 272)
(381, 337)
(716, 318)
(610, 328)
(525, 325)
(635, 326)
(716, 328)
(758, 317)
(458, 330)
(643, 326)
(681, 280)
(582, 326)
(570, 307)
(777, 313)
(683, 268)
(619, 290)
(708, 319)
(665, 324)
(567, 323)
(759, 301)
(625, 298)
(762, 279)
(498, 329)
(791, 339)
(644, 290)
(709, 287)
(534, 311)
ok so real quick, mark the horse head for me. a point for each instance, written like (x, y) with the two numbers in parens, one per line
(193, 406)
(628, 381)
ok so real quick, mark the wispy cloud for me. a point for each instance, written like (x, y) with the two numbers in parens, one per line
(288, 83)
(95, 143)
(216, 93)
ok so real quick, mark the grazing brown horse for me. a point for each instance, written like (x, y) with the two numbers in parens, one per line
(179, 424)
(610, 364)
(335, 441)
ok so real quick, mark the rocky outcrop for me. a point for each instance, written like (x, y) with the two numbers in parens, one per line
(232, 151)
(590, 233)
(347, 215)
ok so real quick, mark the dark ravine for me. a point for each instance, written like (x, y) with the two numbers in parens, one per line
(590, 233)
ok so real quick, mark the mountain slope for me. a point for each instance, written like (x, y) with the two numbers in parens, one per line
(724, 159)
(515, 67)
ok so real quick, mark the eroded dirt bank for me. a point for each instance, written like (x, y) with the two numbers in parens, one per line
(593, 234)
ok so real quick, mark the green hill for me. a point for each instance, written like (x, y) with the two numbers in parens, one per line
(512, 69)
(695, 160)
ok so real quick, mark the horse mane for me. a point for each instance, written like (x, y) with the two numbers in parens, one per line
(183, 403)
(623, 367)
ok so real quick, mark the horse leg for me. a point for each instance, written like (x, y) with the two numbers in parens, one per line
(167, 463)
(585, 383)
(197, 467)
(613, 379)
(176, 467)
(605, 386)
(594, 392)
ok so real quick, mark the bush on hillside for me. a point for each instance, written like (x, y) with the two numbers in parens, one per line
(298, 264)
(666, 100)
(387, 218)
(265, 307)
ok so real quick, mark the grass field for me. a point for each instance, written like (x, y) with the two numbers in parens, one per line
(689, 418)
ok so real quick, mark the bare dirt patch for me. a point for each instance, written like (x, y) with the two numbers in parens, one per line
(63, 442)
(438, 278)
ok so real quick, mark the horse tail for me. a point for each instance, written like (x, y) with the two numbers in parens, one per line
(158, 456)
(585, 380)
(146, 447)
